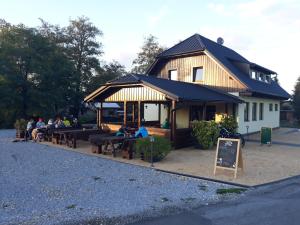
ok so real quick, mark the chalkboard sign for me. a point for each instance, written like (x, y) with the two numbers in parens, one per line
(228, 155)
(266, 135)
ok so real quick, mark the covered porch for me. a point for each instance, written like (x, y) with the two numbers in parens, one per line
(154, 102)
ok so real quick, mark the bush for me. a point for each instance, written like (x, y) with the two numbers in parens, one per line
(230, 123)
(206, 133)
(21, 124)
(161, 148)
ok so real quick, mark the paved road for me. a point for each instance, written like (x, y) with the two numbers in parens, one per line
(277, 204)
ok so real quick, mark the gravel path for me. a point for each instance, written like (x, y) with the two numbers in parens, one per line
(46, 185)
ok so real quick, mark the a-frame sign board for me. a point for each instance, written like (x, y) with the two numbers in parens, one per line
(229, 155)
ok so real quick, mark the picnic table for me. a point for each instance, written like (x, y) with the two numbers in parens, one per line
(70, 137)
(106, 140)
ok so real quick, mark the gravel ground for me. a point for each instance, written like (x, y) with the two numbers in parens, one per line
(46, 185)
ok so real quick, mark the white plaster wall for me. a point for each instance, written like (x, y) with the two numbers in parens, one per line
(270, 118)
(151, 112)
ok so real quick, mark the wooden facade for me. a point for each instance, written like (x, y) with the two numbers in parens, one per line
(214, 74)
(136, 94)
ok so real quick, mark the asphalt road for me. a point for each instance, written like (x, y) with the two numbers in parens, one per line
(277, 204)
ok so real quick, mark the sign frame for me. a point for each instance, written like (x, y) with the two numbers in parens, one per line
(238, 160)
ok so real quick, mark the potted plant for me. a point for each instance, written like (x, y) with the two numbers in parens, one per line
(20, 126)
(161, 148)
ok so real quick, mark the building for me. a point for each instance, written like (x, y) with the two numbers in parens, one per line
(197, 79)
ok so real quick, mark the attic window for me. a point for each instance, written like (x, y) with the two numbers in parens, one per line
(253, 75)
(173, 75)
(197, 74)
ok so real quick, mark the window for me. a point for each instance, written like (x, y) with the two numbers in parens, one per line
(276, 107)
(246, 112)
(268, 79)
(254, 111)
(261, 77)
(261, 111)
(270, 107)
(173, 75)
(197, 74)
(253, 75)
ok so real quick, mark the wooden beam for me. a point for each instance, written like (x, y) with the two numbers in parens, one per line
(133, 112)
(101, 114)
(173, 121)
(139, 113)
(125, 113)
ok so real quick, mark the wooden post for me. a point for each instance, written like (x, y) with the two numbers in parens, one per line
(98, 122)
(125, 113)
(100, 115)
(159, 112)
(173, 121)
(133, 111)
(139, 113)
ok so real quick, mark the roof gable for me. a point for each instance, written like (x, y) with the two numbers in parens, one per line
(225, 56)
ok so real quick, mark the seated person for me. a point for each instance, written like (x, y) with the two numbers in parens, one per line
(76, 123)
(66, 122)
(166, 124)
(122, 131)
(50, 124)
(59, 123)
(40, 124)
(142, 132)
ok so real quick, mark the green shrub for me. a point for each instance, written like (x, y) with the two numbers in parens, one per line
(20, 124)
(230, 123)
(161, 148)
(206, 133)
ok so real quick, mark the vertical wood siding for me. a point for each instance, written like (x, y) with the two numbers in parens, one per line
(136, 94)
(214, 75)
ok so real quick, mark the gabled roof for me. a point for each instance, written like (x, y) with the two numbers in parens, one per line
(177, 90)
(227, 57)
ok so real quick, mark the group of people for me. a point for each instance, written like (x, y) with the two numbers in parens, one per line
(34, 129)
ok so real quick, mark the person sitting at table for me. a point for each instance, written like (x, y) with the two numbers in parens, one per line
(66, 122)
(40, 124)
(50, 124)
(122, 131)
(59, 123)
(75, 123)
(166, 124)
(141, 133)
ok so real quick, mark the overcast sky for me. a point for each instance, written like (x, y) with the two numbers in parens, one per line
(266, 32)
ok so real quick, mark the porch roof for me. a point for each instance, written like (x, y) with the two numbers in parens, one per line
(175, 90)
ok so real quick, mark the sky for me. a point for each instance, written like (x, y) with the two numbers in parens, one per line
(266, 32)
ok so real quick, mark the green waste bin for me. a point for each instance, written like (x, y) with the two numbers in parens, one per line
(266, 135)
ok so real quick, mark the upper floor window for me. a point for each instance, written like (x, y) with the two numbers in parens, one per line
(276, 107)
(261, 77)
(253, 75)
(270, 107)
(173, 75)
(197, 74)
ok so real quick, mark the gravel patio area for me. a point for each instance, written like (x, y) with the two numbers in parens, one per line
(40, 184)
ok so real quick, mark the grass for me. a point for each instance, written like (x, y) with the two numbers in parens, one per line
(224, 191)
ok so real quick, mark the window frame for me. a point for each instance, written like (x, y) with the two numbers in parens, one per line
(246, 112)
(270, 107)
(170, 74)
(194, 74)
(261, 111)
(254, 112)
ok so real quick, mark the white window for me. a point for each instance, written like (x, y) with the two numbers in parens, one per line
(197, 74)
(173, 75)
(253, 75)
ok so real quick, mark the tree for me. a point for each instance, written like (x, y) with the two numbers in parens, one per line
(83, 50)
(147, 55)
(296, 99)
(109, 72)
